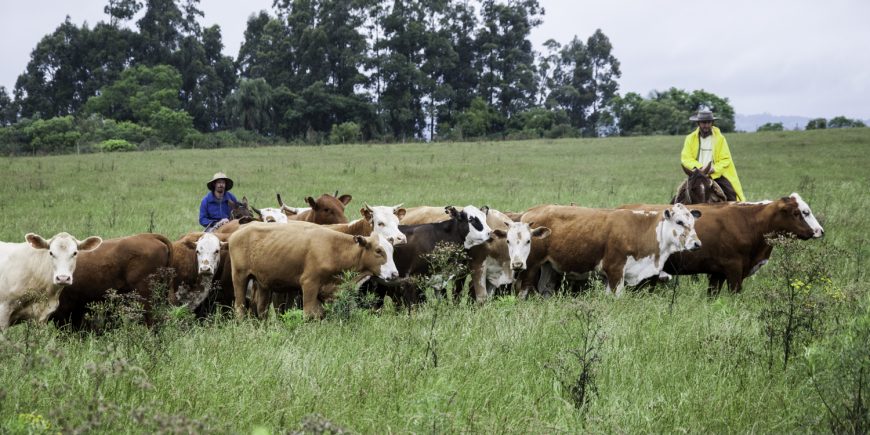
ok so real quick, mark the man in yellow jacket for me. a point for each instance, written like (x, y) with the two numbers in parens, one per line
(706, 144)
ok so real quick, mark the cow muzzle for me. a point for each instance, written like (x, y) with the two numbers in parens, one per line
(696, 245)
(400, 240)
(63, 279)
(206, 270)
(819, 233)
(518, 266)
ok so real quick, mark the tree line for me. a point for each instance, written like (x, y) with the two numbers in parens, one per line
(326, 71)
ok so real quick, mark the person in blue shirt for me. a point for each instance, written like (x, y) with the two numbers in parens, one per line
(214, 210)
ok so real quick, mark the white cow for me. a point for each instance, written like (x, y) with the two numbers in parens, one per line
(32, 275)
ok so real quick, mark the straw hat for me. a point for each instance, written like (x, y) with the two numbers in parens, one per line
(218, 176)
(703, 115)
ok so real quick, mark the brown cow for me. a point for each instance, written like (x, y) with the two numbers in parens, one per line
(325, 210)
(200, 264)
(733, 238)
(627, 245)
(285, 257)
(124, 264)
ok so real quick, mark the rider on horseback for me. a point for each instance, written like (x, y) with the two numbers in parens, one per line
(707, 145)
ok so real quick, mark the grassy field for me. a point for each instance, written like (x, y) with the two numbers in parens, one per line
(657, 364)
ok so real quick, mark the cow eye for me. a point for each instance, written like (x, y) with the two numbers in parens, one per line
(806, 213)
(75, 253)
(51, 253)
(380, 224)
(680, 223)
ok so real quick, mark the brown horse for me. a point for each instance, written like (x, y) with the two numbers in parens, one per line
(700, 188)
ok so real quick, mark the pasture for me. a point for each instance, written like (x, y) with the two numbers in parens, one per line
(664, 361)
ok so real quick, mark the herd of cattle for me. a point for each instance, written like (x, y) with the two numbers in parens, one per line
(290, 250)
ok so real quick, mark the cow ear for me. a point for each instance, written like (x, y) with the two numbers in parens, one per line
(667, 213)
(90, 243)
(345, 199)
(451, 210)
(190, 242)
(225, 245)
(366, 212)
(541, 232)
(399, 212)
(485, 210)
(310, 201)
(360, 240)
(36, 241)
(696, 213)
(499, 234)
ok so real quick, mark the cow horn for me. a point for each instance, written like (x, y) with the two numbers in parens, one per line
(280, 202)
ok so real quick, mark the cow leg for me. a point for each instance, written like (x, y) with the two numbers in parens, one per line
(527, 281)
(549, 280)
(735, 281)
(715, 281)
(240, 284)
(478, 282)
(311, 306)
(615, 278)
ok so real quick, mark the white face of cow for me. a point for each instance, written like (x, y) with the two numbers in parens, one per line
(808, 216)
(385, 221)
(388, 269)
(478, 231)
(63, 249)
(676, 231)
(208, 253)
(519, 240)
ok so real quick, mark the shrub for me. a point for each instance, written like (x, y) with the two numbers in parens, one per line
(113, 145)
(817, 124)
(52, 135)
(346, 132)
(170, 125)
(771, 126)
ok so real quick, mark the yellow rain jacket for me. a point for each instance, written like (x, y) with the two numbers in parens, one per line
(723, 166)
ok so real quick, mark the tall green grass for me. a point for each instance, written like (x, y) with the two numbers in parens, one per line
(697, 364)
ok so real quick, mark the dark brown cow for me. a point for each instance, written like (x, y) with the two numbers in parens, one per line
(325, 210)
(733, 238)
(627, 245)
(124, 264)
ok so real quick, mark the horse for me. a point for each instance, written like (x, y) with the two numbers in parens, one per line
(700, 188)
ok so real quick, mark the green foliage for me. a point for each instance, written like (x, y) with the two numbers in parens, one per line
(817, 124)
(171, 126)
(796, 302)
(52, 135)
(770, 126)
(668, 112)
(138, 95)
(346, 132)
(839, 368)
(112, 145)
(479, 120)
(843, 122)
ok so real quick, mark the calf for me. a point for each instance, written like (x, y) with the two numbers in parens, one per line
(310, 257)
(733, 238)
(33, 274)
(477, 234)
(626, 245)
(124, 264)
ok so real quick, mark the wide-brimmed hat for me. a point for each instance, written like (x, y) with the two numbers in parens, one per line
(218, 176)
(703, 115)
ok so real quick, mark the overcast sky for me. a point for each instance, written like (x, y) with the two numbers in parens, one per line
(784, 57)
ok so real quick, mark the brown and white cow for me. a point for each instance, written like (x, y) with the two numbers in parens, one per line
(733, 238)
(199, 262)
(286, 257)
(627, 245)
(380, 219)
(33, 274)
(496, 262)
(124, 264)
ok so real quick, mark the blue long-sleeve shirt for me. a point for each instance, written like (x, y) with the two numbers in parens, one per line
(211, 210)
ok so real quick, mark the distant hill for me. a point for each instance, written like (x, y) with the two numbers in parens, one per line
(750, 123)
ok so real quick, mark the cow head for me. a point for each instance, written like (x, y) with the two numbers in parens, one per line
(676, 230)
(385, 221)
(796, 217)
(328, 209)
(377, 257)
(63, 249)
(275, 215)
(478, 231)
(519, 241)
(208, 253)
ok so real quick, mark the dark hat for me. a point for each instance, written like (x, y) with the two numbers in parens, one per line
(218, 176)
(703, 115)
